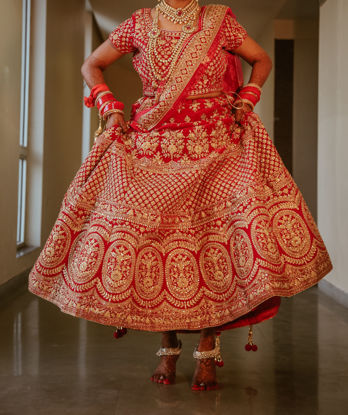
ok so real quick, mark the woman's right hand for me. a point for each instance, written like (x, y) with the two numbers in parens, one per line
(116, 119)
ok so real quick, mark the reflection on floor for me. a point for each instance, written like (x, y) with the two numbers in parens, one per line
(52, 363)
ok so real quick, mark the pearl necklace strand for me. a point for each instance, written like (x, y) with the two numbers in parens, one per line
(180, 15)
(153, 53)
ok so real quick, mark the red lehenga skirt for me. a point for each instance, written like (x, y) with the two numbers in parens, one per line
(194, 224)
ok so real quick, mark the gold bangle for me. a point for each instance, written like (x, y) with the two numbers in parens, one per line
(101, 94)
(113, 111)
(255, 85)
(234, 102)
(246, 101)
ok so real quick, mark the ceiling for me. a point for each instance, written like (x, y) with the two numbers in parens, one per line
(253, 14)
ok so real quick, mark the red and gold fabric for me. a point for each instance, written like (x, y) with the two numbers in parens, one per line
(188, 221)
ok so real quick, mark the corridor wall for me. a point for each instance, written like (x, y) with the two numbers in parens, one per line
(333, 143)
(55, 120)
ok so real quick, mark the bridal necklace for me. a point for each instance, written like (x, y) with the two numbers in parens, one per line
(180, 15)
(186, 17)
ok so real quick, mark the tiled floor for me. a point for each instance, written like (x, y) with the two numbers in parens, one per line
(52, 363)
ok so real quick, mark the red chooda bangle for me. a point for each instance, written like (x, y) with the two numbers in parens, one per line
(114, 105)
(97, 89)
(251, 93)
(250, 97)
(252, 89)
(104, 99)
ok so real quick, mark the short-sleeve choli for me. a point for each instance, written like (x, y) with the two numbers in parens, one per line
(131, 36)
(233, 32)
(122, 37)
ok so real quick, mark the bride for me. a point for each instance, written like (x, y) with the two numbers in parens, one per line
(183, 218)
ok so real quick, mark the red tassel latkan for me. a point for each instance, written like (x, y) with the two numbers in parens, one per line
(250, 345)
(120, 332)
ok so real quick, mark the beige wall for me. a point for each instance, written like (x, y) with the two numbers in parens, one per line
(10, 81)
(305, 34)
(93, 39)
(333, 142)
(63, 110)
(61, 125)
(265, 108)
(305, 110)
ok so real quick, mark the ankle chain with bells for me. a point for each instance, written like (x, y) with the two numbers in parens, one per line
(189, 15)
(209, 354)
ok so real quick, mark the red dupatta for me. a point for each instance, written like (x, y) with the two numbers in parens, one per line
(188, 68)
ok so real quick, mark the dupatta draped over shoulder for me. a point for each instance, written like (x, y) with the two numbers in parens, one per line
(218, 32)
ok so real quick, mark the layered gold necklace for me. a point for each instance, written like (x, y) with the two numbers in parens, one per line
(180, 15)
(187, 17)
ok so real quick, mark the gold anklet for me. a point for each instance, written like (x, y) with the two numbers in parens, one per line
(170, 351)
(209, 354)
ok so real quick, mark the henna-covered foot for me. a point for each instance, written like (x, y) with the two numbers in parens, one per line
(204, 377)
(165, 372)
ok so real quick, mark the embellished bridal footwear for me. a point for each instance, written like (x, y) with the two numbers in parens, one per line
(167, 365)
(212, 358)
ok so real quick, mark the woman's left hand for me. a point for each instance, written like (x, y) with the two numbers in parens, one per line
(239, 114)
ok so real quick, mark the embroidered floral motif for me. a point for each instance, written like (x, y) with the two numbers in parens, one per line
(172, 144)
(216, 267)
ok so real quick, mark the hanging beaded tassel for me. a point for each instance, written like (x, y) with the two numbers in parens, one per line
(100, 128)
(120, 332)
(250, 345)
(218, 359)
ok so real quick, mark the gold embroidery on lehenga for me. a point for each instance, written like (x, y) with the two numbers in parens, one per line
(172, 144)
(184, 227)
(118, 267)
(264, 239)
(198, 143)
(87, 252)
(57, 245)
(149, 273)
(242, 253)
(215, 265)
(293, 235)
(181, 269)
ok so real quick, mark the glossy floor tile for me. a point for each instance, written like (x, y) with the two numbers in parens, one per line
(52, 363)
